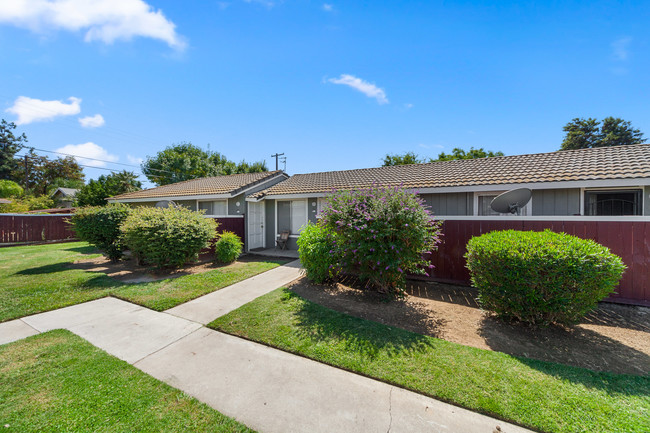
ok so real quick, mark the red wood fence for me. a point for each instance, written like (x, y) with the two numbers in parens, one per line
(24, 228)
(630, 240)
(34, 228)
(235, 224)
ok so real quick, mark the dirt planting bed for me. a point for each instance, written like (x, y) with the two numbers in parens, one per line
(614, 338)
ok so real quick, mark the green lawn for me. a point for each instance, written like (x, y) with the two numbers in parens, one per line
(545, 396)
(58, 382)
(40, 278)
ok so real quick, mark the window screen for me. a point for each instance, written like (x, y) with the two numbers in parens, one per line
(613, 202)
(298, 215)
(216, 207)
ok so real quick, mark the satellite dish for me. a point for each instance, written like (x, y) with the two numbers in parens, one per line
(511, 201)
(165, 203)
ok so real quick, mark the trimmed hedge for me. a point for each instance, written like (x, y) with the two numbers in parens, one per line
(541, 277)
(318, 253)
(167, 237)
(100, 226)
(228, 247)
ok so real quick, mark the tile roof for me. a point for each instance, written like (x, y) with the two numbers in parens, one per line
(620, 162)
(231, 184)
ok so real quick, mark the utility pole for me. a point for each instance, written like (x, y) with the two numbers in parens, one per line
(26, 172)
(283, 160)
(276, 156)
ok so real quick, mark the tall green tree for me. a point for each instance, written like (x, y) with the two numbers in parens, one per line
(37, 173)
(458, 153)
(10, 144)
(9, 188)
(185, 161)
(96, 191)
(406, 158)
(589, 133)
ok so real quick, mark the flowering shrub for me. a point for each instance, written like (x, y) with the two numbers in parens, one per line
(382, 234)
(228, 247)
(541, 277)
(318, 256)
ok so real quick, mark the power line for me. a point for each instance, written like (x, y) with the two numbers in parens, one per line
(101, 160)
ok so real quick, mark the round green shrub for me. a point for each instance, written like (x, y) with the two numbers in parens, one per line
(167, 237)
(228, 247)
(541, 277)
(318, 253)
(100, 226)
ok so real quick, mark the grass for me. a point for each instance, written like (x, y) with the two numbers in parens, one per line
(59, 382)
(40, 278)
(541, 395)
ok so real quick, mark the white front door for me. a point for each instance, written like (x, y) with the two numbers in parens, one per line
(255, 225)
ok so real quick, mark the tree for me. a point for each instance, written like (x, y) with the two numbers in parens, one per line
(458, 153)
(407, 158)
(96, 192)
(9, 188)
(9, 146)
(185, 161)
(43, 172)
(589, 133)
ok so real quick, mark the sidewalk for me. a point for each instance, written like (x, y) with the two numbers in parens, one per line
(267, 389)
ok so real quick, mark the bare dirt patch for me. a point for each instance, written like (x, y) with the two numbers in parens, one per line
(128, 271)
(614, 338)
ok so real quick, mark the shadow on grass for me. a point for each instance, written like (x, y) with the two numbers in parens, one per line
(364, 337)
(576, 346)
(83, 250)
(45, 269)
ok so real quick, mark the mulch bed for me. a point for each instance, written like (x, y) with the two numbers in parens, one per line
(128, 271)
(614, 338)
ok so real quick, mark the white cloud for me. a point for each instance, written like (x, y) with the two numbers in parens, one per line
(134, 159)
(368, 89)
(267, 3)
(620, 48)
(88, 150)
(328, 7)
(92, 121)
(408, 106)
(31, 110)
(103, 20)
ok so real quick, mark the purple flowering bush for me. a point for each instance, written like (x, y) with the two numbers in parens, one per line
(382, 234)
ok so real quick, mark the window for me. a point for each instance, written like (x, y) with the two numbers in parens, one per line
(214, 207)
(484, 208)
(292, 215)
(613, 202)
(320, 204)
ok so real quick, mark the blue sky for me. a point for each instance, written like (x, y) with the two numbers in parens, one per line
(332, 85)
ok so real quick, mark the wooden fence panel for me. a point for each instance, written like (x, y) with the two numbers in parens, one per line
(34, 228)
(628, 239)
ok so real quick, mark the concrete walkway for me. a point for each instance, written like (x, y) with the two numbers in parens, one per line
(267, 389)
(208, 307)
